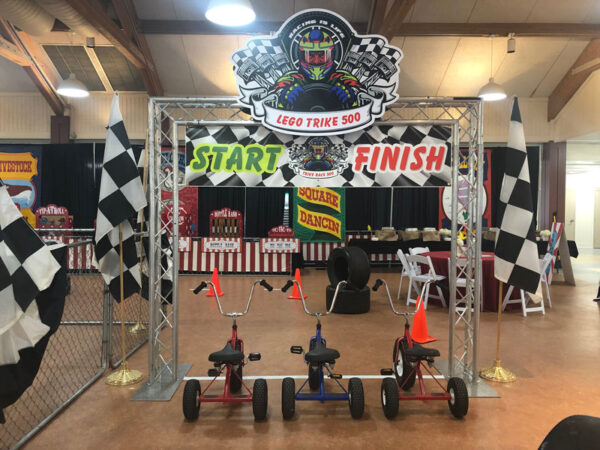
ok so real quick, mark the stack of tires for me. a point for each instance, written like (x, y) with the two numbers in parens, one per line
(350, 264)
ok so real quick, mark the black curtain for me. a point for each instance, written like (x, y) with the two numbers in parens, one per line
(498, 167)
(68, 180)
(367, 206)
(415, 208)
(264, 209)
(210, 198)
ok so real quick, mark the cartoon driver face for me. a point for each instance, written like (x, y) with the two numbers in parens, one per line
(316, 53)
(318, 147)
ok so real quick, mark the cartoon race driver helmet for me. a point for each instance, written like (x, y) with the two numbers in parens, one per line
(315, 52)
(318, 146)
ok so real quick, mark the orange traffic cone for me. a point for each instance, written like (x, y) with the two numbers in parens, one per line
(215, 280)
(296, 292)
(419, 331)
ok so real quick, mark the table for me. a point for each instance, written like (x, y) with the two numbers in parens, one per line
(490, 284)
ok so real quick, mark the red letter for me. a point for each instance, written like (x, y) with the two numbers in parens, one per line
(405, 155)
(389, 158)
(361, 157)
(374, 158)
(436, 158)
(417, 164)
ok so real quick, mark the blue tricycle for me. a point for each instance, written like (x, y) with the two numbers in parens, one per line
(321, 361)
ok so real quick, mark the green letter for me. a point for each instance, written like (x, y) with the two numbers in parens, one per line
(235, 158)
(217, 162)
(274, 152)
(200, 161)
(254, 155)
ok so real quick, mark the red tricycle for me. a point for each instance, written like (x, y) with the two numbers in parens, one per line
(231, 360)
(409, 359)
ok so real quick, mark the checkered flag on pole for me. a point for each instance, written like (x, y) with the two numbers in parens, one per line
(27, 267)
(516, 256)
(121, 197)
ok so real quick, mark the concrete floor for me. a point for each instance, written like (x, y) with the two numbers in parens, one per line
(554, 356)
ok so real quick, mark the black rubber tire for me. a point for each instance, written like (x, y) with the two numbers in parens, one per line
(389, 397)
(357, 398)
(235, 383)
(288, 398)
(349, 301)
(260, 399)
(407, 372)
(191, 401)
(459, 403)
(349, 264)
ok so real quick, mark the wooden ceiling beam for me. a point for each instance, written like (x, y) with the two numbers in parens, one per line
(570, 30)
(92, 12)
(127, 15)
(378, 15)
(33, 69)
(204, 27)
(586, 63)
(396, 15)
(11, 52)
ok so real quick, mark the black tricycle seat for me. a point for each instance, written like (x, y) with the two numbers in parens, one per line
(321, 354)
(420, 352)
(227, 356)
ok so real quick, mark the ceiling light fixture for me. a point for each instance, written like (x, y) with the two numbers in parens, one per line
(230, 13)
(511, 44)
(72, 87)
(492, 91)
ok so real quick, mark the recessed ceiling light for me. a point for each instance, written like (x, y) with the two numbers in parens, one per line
(230, 13)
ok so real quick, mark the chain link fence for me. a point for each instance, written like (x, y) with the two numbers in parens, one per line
(82, 348)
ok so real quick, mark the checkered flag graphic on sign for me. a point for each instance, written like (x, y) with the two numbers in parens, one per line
(121, 197)
(264, 46)
(368, 45)
(516, 256)
(392, 54)
(26, 267)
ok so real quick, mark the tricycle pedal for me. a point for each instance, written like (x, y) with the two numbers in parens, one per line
(336, 376)
(297, 349)
(254, 356)
(386, 372)
(213, 372)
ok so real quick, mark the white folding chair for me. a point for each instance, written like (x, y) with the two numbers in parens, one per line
(544, 264)
(414, 279)
(418, 250)
(404, 272)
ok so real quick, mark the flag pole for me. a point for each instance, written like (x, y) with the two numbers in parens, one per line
(139, 326)
(497, 372)
(124, 376)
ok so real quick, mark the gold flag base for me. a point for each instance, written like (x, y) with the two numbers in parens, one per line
(138, 328)
(498, 373)
(124, 376)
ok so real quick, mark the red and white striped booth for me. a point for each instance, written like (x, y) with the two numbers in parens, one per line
(79, 257)
(319, 251)
(240, 257)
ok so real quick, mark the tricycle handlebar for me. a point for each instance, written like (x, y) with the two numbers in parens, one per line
(290, 283)
(235, 315)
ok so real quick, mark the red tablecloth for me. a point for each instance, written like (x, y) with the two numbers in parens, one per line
(490, 284)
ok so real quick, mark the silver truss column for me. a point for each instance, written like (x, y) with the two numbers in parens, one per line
(164, 373)
(453, 249)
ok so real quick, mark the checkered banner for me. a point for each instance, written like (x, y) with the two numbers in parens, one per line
(121, 197)
(27, 267)
(383, 155)
(516, 256)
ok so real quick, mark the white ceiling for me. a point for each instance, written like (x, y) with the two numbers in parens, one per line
(432, 66)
